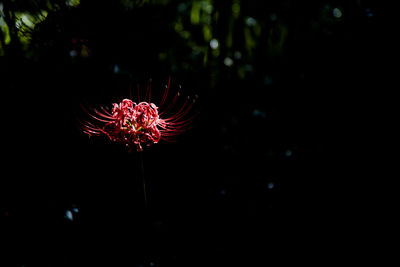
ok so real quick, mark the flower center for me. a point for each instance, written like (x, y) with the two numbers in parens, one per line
(137, 122)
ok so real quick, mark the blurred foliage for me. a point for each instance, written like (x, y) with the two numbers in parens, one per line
(270, 48)
(230, 33)
(18, 19)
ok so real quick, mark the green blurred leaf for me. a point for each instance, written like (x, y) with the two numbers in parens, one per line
(207, 33)
(249, 41)
(195, 13)
(236, 8)
(6, 32)
(72, 3)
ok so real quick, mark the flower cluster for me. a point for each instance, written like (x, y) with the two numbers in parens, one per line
(135, 124)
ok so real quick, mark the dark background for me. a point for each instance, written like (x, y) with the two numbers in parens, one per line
(261, 178)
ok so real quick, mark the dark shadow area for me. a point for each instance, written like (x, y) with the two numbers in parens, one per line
(283, 90)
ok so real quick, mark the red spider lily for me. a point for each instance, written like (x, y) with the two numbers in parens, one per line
(135, 124)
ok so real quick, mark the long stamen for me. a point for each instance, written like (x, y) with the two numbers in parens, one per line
(143, 123)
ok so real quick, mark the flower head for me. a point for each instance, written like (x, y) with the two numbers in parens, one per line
(136, 124)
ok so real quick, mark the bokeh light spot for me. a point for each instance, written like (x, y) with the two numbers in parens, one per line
(271, 185)
(68, 215)
(214, 44)
(337, 13)
(228, 61)
(251, 22)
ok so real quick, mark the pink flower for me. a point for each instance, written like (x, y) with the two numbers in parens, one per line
(135, 124)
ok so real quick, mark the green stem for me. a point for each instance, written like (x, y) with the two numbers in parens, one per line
(143, 178)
